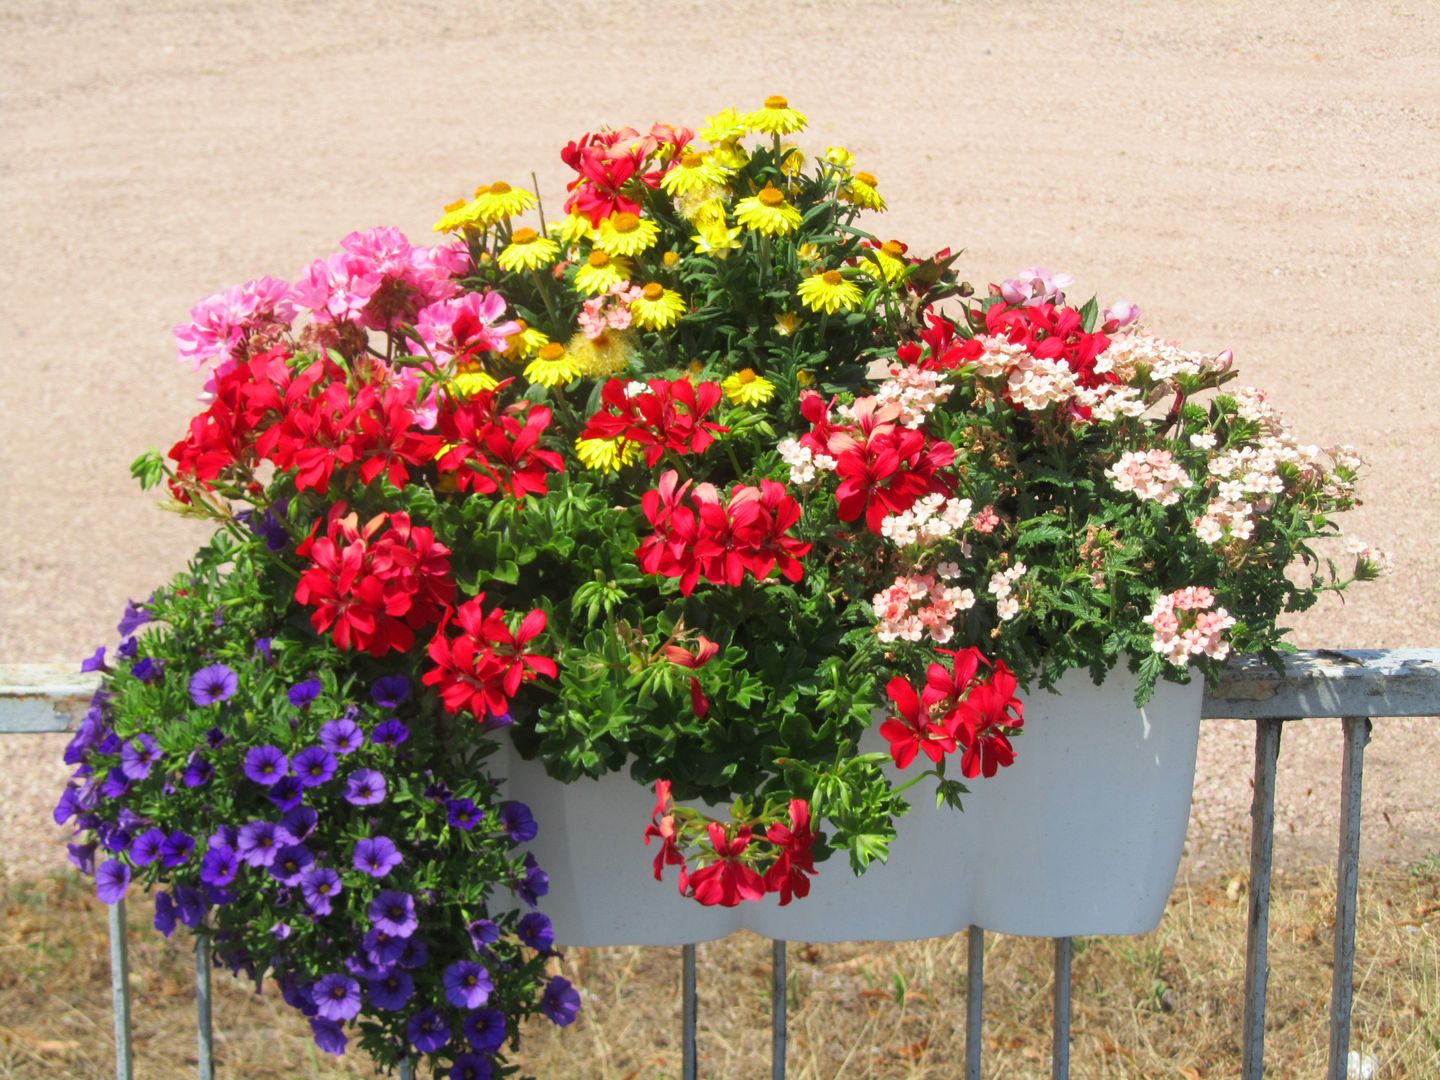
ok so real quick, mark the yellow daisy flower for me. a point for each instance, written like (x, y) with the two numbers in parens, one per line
(471, 379)
(748, 389)
(626, 234)
(670, 259)
(829, 292)
(841, 158)
(606, 455)
(804, 378)
(716, 240)
(526, 343)
(454, 219)
(601, 357)
(775, 117)
(730, 155)
(497, 201)
(787, 324)
(695, 172)
(599, 272)
(887, 263)
(768, 212)
(571, 229)
(657, 307)
(860, 190)
(527, 250)
(792, 159)
(725, 126)
(809, 253)
(553, 366)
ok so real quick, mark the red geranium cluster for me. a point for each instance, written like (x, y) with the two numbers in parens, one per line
(956, 709)
(1048, 332)
(716, 541)
(731, 876)
(883, 468)
(481, 668)
(373, 589)
(669, 415)
(489, 449)
(604, 171)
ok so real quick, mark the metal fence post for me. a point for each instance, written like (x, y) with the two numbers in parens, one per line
(779, 992)
(974, 1000)
(1347, 880)
(120, 991)
(1257, 941)
(689, 1013)
(1060, 1040)
(205, 1062)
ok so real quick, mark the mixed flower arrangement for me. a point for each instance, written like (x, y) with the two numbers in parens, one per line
(701, 480)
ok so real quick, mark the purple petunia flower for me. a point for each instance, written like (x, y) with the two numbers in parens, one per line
(164, 920)
(134, 617)
(535, 883)
(300, 822)
(113, 837)
(471, 1067)
(219, 864)
(198, 772)
(341, 736)
(394, 913)
(319, 885)
(127, 649)
(95, 661)
(82, 857)
(137, 757)
(147, 669)
(296, 993)
(337, 997)
(215, 738)
(303, 693)
(519, 823)
(189, 905)
(177, 849)
(212, 685)
(485, 1030)
(390, 733)
(147, 847)
(376, 856)
(115, 784)
(427, 1031)
(416, 953)
(329, 1036)
(290, 864)
(560, 1002)
(483, 933)
(314, 765)
(262, 649)
(535, 930)
(390, 691)
(112, 878)
(364, 787)
(267, 526)
(467, 984)
(286, 792)
(463, 814)
(390, 990)
(265, 764)
(382, 949)
(280, 931)
(259, 841)
(224, 836)
(68, 806)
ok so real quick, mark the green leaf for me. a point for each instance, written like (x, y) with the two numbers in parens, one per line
(148, 468)
(1088, 314)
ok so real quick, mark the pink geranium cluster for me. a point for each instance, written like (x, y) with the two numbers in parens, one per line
(608, 311)
(1187, 624)
(379, 280)
(227, 324)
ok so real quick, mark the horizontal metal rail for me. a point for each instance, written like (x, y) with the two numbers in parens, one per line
(1356, 686)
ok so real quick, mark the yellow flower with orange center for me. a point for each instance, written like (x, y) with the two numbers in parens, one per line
(860, 191)
(656, 308)
(553, 366)
(600, 272)
(527, 250)
(498, 201)
(829, 292)
(525, 343)
(747, 388)
(571, 229)
(626, 234)
(730, 155)
(455, 217)
(609, 354)
(768, 213)
(694, 172)
(471, 379)
(841, 158)
(725, 126)
(887, 263)
(775, 117)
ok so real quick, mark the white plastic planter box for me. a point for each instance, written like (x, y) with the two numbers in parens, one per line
(1082, 835)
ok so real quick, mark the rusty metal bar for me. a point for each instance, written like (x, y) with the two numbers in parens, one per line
(779, 992)
(974, 1000)
(1060, 1039)
(120, 991)
(1347, 880)
(689, 1010)
(1257, 941)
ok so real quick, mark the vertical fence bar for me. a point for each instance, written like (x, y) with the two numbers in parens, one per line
(688, 1012)
(407, 1070)
(1257, 941)
(1060, 1041)
(205, 1061)
(974, 1000)
(120, 991)
(1347, 880)
(779, 993)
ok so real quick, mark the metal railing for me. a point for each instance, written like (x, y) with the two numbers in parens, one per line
(1355, 686)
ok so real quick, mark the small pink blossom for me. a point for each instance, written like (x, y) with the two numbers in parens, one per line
(1034, 286)
(222, 323)
(1119, 314)
(986, 520)
(917, 606)
(1154, 475)
(1186, 627)
(455, 331)
(379, 280)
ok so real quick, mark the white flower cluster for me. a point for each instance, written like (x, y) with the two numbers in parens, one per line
(1225, 518)
(1002, 587)
(999, 357)
(804, 465)
(1036, 384)
(1153, 475)
(1364, 553)
(932, 518)
(1112, 401)
(1164, 360)
(915, 391)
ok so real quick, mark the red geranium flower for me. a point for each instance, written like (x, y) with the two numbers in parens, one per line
(481, 669)
(912, 731)
(987, 716)
(791, 872)
(668, 415)
(490, 450)
(727, 880)
(662, 827)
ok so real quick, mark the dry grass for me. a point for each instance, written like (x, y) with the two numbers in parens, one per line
(1163, 1005)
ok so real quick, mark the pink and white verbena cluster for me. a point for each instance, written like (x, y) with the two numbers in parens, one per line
(1187, 624)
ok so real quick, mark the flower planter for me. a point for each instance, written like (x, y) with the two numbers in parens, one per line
(1081, 836)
